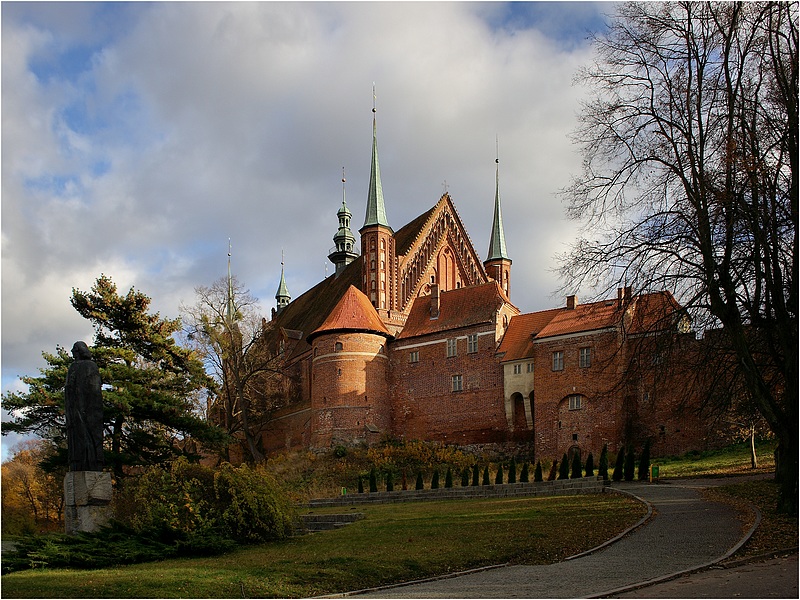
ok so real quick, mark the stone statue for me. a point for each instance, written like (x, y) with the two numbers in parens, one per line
(84, 408)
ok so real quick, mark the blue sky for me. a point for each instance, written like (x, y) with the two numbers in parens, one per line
(138, 137)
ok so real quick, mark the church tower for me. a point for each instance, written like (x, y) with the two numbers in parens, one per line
(282, 295)
(377, 241)
(498, 264)
(345, 251)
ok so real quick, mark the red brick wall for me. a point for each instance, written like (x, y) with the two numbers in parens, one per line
(349, 389)
(424, 405)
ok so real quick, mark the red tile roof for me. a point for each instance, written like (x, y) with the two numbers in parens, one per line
(646, 313)
(354, 312)
(462, 307)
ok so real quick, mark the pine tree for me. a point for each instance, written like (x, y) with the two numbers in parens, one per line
(590, 465)
(603, 468)
(630, 464)
(435, 480)
(465, 477)
(537, 473)
(498, 478)
(420, 483)
(373, 481)
(448, 478)
(553, 471)
(475, 475)
(512, 471)
(523, 477)
(563, 470)
(577, 472)
(360, 485)
(389, 482)
(619, 465)
(644, 462)
(486, 475)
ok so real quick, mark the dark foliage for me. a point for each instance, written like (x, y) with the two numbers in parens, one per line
(563, 469)
(630, 464)
(619, 465)
(590, 465)
(602, 469)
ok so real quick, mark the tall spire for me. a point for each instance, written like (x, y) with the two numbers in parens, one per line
(376, 211)
(282, 295)
(230, 310)
(497, 242)
(345, 250)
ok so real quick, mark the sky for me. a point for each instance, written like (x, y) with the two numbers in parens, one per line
(138, 138)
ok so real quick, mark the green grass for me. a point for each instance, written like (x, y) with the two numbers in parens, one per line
(731, 460)
(396, 542)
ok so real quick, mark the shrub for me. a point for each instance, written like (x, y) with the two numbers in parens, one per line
(523, 477)
(644, 462)
(630, 464)
(360, 485)
(389, 482)
(603, 468)
(537, 473)
(498, 478)
(553, 471)
(340, 451)
(435, 480)
(373, 481)
(563, 470)
(475, 475)
(618, 465)
(486, 475)
(512, 471)
(577, 471)
(448, 478)
(590, 465)
(465, 477)
(420, 483)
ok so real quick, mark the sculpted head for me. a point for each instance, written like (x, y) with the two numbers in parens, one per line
(80, 351)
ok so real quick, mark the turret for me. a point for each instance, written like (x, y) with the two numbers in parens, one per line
(282, 295)
(344, 252)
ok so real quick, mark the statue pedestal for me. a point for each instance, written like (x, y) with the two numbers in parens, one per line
(87, 500)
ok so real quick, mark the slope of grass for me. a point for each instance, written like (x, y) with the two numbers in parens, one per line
(731, 460)
(396, 542)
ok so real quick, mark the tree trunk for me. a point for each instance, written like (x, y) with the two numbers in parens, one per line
(753, 458)
(786, 469)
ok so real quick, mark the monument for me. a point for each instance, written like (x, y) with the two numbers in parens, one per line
(87, 489)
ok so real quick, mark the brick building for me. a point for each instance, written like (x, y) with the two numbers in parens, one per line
(416, 337)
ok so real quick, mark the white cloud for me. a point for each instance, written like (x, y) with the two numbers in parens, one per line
(184, 124)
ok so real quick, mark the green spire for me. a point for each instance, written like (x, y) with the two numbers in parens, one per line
(376, 211)
(282, 295)
(497, 243)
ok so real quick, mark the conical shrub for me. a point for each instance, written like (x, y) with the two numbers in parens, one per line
(602, 469)
(537, 472)
(563, 470)
(630, 464)
(644, 462)
(619, 465)
(590, 465)
(512, 471)
(486, 475)
(498, 478)
(435, 480)
(523, 477)
(576, 471)
(448, 478)
(373, 480)
(420, 483)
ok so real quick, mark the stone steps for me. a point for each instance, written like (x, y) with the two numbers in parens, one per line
(312, 523)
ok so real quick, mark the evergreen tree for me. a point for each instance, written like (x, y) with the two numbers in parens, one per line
(603, 468)
(360, 485)
(435, 480)
(448, 478)
(553, 471)
(151, 386)
(590, 465)
(563, 470)
(465, 477)
(420, 483)
(577, 471)
(373, 480)
(619, 465)
(512, 471)
(630, 464)
(498, 478)
(389, 482)
(523, 477)
(644, 462)
(486, 475)
(537, 473)
(475, 475)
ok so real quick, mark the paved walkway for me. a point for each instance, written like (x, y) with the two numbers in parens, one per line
(684, 533)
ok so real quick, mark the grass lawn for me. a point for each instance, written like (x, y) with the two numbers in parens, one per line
(396, 542)
(731, 460)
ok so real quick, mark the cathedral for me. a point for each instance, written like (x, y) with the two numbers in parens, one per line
(416, 337)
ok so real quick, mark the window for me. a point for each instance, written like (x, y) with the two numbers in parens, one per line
(575, 402)
(337, 347)
(585, 357)
(472, 343)
(558, 360)
(517, 369)
(451, 347)
(529, 367)
(458, 385)
(413, 356)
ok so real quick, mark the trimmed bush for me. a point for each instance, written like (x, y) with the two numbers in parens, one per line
(644, 462)
(373, 481)
(590, 465)
(630, 464)
(619, 465)
(486, 475)
(523, 477)
(475, 475)
(563, 470)
(360, 485)
(537, 472)
(512, 471)
(603, 467)
(435, 480)
(498, 478)
(448, 478)
(577, 471)
(389, 482)
(420, 483)
(465, 477)
(553, 471)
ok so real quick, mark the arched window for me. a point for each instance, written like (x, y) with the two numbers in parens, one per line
(337, 347)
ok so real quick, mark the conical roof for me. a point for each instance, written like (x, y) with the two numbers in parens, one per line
(497, 242)
(376, 210)
(354, 312)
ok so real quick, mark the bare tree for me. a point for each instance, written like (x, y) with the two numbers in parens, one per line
(689, 183)
(225, 327)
